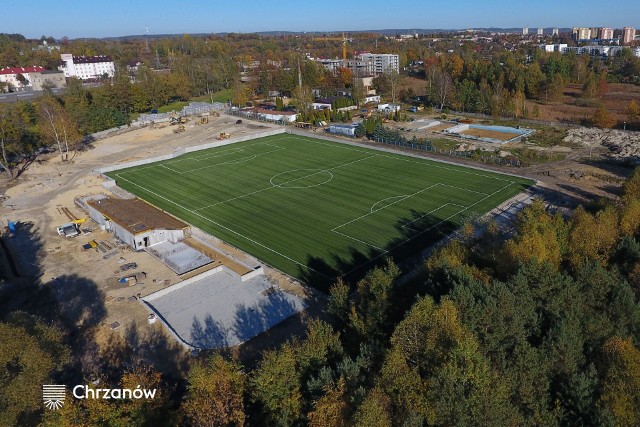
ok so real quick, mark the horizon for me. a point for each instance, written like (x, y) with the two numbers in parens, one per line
(138, 18)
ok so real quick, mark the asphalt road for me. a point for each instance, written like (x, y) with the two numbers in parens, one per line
(25, 96)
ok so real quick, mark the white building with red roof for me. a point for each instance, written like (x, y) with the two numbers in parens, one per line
(18, 78)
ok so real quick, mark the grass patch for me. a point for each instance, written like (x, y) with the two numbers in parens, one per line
(444, 143)
(545, 136)
(174, 106)
(314, 209)
(529, 156)
(588, 102)
(223, 96)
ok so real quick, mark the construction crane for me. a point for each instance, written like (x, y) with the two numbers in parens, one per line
(342, 39)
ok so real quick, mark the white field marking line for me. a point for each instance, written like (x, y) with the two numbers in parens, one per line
(385, 207)
(205, 157)
(167, 167)
(219, 152)
(245, 159)
(357, 240)
(406, 225)
(315, 173)
(278, 186)
(464, 189)
(392, 197)
(135, 168)
(284, 184)
(226, 228)
(306, 139)
(428, 229)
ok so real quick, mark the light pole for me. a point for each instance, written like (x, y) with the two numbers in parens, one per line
(624, 125)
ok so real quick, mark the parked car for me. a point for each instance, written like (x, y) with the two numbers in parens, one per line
(413, 109)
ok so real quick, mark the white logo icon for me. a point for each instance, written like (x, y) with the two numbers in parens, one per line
(53, 395)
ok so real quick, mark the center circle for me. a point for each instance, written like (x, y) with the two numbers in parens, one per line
(301, 178)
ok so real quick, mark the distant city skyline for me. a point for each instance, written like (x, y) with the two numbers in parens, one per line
(36, 18)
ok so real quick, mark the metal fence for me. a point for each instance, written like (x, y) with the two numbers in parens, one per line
(472, 155)
(254, 116)
(194, 108)
(423, 147)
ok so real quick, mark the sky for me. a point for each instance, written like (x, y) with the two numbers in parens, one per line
(112, 18)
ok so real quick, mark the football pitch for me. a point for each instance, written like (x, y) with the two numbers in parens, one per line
(317, 209)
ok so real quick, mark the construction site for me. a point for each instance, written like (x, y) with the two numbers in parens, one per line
(151, 269)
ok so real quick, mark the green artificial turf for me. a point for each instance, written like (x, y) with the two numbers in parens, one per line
(317, 209)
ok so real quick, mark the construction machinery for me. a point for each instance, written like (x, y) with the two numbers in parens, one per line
(179, 129)
(70, 229)
(175, 120)
(202, 120)
(224, 135)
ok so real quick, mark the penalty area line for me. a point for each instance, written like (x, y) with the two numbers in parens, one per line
(227, 228)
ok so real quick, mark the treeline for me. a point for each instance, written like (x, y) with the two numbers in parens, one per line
(499, 85)
(60, 121)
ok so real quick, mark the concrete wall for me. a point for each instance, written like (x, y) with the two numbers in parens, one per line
(343, 130)
(181, 151)
(182, 284)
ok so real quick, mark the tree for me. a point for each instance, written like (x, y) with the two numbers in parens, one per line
(345, 76)
(339, 305)
(602, 118)
(592, 237)
(303, 99)
(330, 410)
(215, 394)
(540, 237)
(553, 87)
(57, 126)
(621, 385)
(275, 387)
(534, 78)
(431, 67)
(590, 86)
(357, 91)
(467, 95)
(443, 85)
(31, 352)
(11, 130)
(370, 313)
(374, 410)
(434, 355)
(394, 78)
(632, 111)
(239, 94)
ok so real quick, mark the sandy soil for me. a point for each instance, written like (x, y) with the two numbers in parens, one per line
(485, 133)
(440, 127)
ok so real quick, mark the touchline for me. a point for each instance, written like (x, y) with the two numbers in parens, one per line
(86, 392)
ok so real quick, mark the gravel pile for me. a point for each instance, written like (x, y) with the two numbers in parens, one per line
(621, 144)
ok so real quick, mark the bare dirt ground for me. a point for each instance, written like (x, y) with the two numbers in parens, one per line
(485, 133)
(38, 196)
